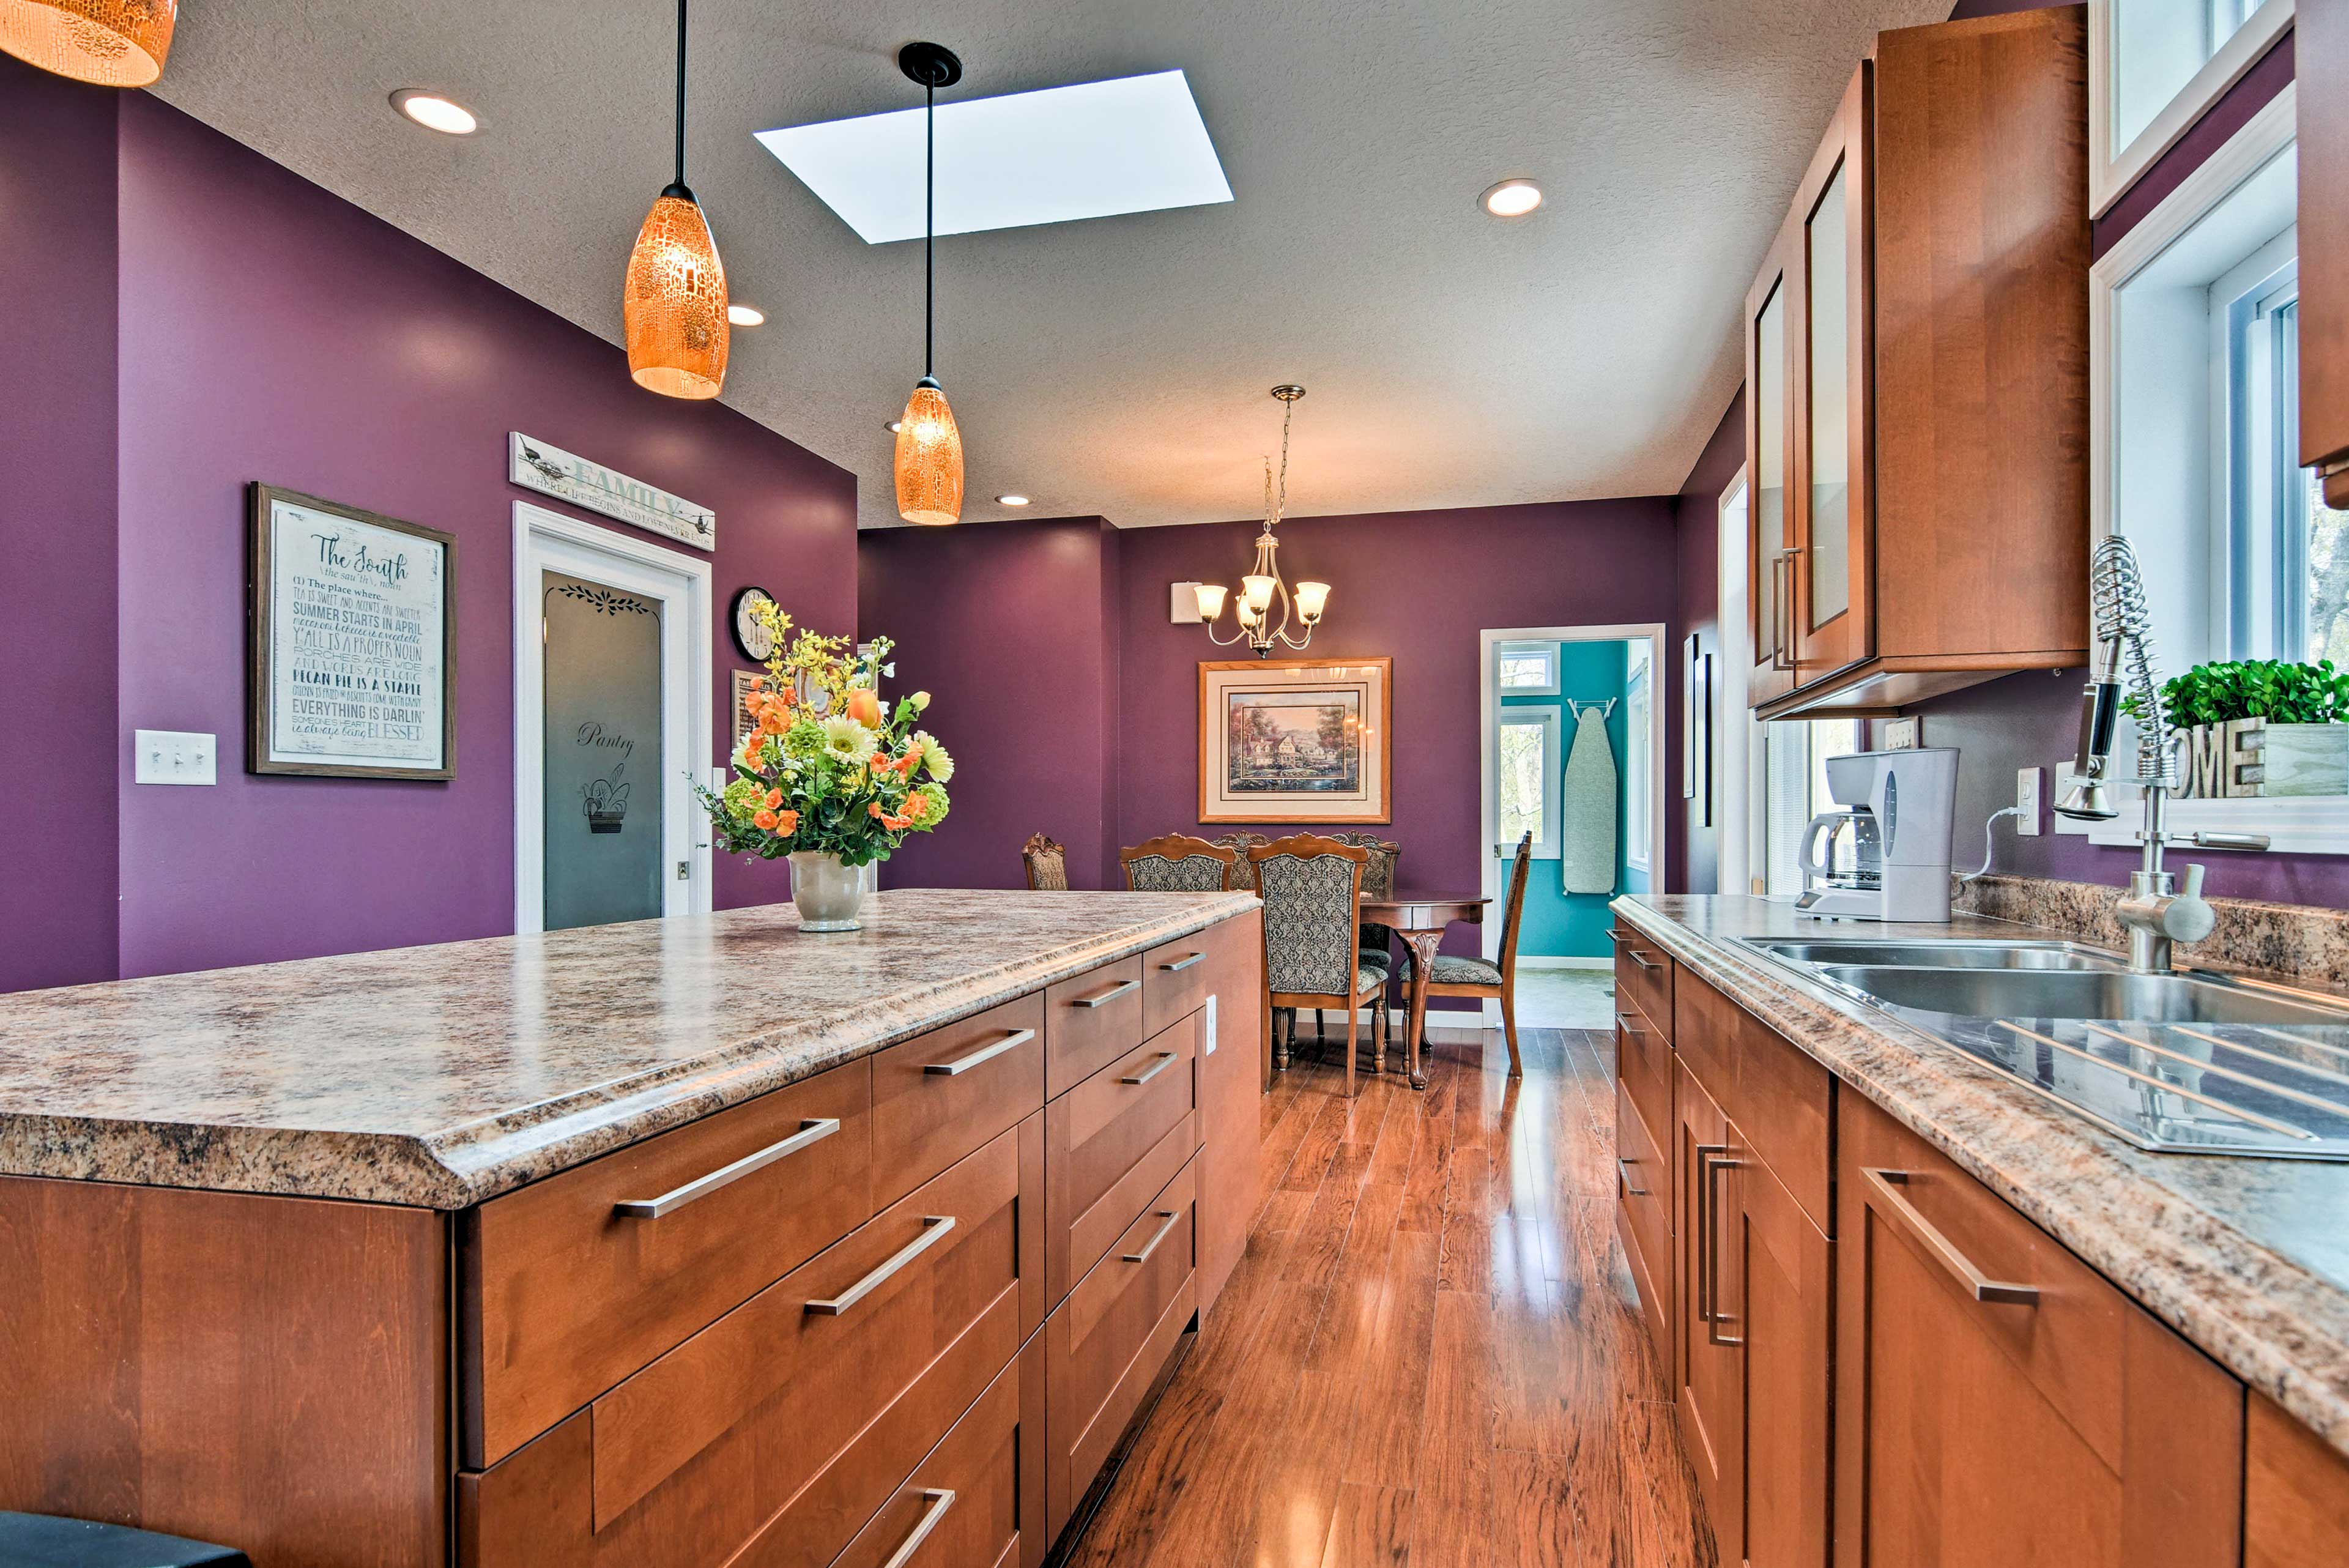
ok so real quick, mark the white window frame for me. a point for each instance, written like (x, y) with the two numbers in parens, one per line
(1549, 717)
(2113, 169)
(2299, 826)
(1734, 731)
(1547, 651)
(1640, 856)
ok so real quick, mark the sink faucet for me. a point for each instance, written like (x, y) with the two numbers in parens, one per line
(2156, 913)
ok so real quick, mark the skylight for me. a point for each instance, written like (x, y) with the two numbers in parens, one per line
(1134, 145)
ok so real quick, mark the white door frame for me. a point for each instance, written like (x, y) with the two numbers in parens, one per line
(1733, 727)
(544, 539)
(1488, 709)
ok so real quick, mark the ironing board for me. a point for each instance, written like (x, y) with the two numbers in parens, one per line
(1586, 804)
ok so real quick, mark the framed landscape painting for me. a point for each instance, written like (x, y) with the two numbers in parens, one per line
(1296, 740)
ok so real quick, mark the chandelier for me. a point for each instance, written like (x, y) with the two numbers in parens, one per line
(1262, 586)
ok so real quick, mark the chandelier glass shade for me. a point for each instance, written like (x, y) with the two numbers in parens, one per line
(112, 43)
(673, 304)
(1262, 591)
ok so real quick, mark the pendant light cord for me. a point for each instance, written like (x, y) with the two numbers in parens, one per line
(680, 91)
(929, 224)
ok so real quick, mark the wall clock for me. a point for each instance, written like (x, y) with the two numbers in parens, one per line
(750, 633)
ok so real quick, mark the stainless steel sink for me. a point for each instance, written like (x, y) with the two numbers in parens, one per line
(2115, 994)
(1946, 954)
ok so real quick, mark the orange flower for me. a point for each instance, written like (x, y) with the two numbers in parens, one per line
(753, 701)
(774, 798)
(880, 760)
(864, 707)
(774, 723)
(875, 809)
(766, 820)
(787, 823)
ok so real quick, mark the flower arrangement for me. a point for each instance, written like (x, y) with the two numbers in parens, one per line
(825, 768)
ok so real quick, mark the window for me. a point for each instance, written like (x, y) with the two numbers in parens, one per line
(1795, 789)
(1530, 770)
(2154, 66)
(2287, 576)
(1528, 669)
(1638, 801)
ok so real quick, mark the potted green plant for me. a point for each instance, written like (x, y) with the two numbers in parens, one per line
(2260, 727)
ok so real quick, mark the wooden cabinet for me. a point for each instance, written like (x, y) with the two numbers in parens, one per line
(2296, 1494)
(1916, 354)
(1705, 1384)
(2322, 65)
(1997, 1401)
(1231, 1098)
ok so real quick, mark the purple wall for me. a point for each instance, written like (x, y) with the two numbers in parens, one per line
(1696, 522)
(57, 568)
(270, 331)
(1008, 627)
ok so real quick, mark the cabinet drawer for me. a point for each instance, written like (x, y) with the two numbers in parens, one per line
(1780, 1099)
(961, 1506)
(1111, 1143)
(1107, 1343)
(1177, 977)
(1090, 1021)
(777, 1432)
(1965, 1332)
(939, 1095)
(1643, 1191)
(1643, 976)
(563, 1295)
(1643, 1065)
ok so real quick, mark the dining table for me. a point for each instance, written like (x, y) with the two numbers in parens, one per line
(1421, 919)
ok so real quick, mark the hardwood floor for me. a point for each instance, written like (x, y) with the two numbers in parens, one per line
(1431, 1352)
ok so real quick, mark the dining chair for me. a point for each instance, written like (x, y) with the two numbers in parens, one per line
(1455, 974)
(1177, 863)
(1047, 865)
(1311, 959)
(1239, 843)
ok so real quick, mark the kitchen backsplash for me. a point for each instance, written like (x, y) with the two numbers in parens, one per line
(2282, 939)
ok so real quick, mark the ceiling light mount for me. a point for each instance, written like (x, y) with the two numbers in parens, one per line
(1512, 198)
(435, 110)
(932, 66)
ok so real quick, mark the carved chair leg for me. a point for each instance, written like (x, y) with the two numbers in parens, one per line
(1280, 1044)
(1509, 1029)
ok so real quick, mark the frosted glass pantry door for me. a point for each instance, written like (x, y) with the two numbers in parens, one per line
(604, 772)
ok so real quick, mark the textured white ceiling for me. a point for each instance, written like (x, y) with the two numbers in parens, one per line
(1119, 365)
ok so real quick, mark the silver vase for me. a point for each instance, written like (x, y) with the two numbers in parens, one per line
(828, 893)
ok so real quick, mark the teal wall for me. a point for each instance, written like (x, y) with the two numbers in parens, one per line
(1559, 924)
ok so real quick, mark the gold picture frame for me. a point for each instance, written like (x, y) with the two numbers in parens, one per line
(1297, 739)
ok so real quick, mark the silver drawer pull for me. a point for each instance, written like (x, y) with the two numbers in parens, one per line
(935, 1500)
(1628, 1187)
(813, 1130)
(1886, 1185)
(984, 1055)
(1152, 1245)
(1103, 998)
(935, 1228)
(1637, 956)
(1152, 1071)
(1179, 965)
(1623, 1021)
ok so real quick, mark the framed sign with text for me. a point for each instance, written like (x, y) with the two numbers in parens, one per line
(350, 642)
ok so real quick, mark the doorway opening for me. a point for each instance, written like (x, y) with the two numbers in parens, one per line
(1573, 754)
(612, 721)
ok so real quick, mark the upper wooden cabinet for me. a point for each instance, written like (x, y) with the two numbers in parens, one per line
(2323, 64)
(1915, 348)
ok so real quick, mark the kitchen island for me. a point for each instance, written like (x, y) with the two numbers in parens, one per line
(648, 1243)
(2005, 1334)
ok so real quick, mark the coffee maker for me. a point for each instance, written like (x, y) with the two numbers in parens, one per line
(1885, 855)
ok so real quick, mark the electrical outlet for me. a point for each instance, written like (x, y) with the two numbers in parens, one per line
(173, 757)
(2027, 782)
(1900, 734)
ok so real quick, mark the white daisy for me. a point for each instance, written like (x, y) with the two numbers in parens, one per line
(846, 741)
(934, 756)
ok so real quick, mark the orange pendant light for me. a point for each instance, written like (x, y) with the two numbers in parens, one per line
(674, 302)
(929, 443)
(113, 43)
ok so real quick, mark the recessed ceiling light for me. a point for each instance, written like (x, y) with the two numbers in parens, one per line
(434, 112)
(1134, 145)
(1012, 501)
(1511, 198)
(746, 315)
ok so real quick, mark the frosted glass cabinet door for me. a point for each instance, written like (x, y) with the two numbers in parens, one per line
(1832, 399)
(1769, 440)
(604, 773)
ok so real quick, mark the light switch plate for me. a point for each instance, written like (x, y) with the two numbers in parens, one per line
(173, 757)
(2028, 784)
(1209, 1048)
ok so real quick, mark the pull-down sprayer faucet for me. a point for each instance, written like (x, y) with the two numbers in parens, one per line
(2155, 913)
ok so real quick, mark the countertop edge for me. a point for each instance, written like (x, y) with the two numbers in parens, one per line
(472, 1162)
(2264, 1317)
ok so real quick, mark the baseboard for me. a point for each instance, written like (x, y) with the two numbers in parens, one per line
(1528, 960)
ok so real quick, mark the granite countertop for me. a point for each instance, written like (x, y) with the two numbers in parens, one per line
(2247, 1258)
(440, 1077)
